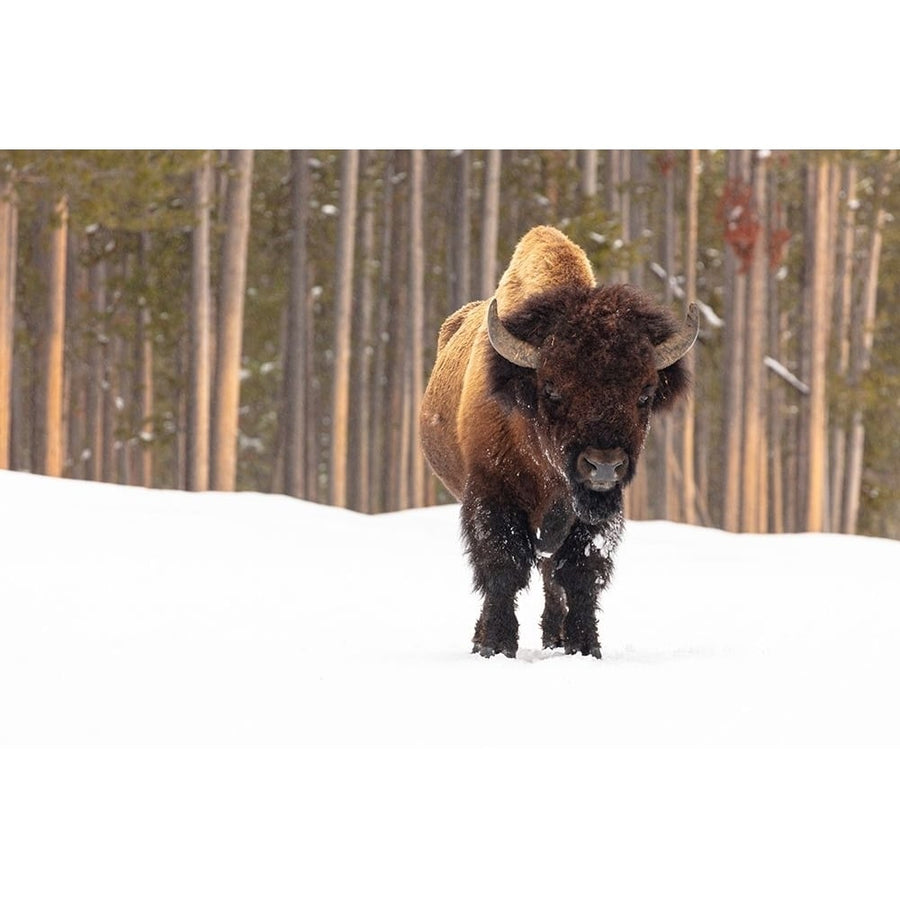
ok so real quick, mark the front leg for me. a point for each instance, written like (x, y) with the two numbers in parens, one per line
(501, 553)
(582, 571)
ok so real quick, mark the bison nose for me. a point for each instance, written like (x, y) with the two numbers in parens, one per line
(601, 470)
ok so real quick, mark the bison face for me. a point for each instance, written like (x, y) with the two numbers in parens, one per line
(588, 367)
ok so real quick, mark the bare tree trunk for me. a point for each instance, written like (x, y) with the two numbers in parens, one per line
(145, 399)
(624, 205)
(689, 484)
(396, 456)
(588, 176)
(199, 327)
(296, 351)
(462, 278)
(776, 395)
(753, 513)
(490, 224)
(340, 421)
(226, 396)
(404, 498)
(97, 378)
(864, 336)
(612, 179)
(816, 519)
(77, 295)
(843, 322)
(417, 324)
(53, 450)
(735, 304)
(380, 468)
(366, 347)
(8, 250)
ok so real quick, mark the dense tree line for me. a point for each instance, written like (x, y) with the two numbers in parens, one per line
(266, 320)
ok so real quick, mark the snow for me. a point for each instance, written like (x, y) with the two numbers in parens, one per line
(246, 695)
(783, 371)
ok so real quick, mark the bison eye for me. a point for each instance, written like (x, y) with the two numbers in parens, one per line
(552, 394)
(646, 397)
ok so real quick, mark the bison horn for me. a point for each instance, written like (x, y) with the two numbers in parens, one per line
(671, 350)
(508, 345)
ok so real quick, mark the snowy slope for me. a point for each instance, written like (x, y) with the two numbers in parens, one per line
(149, 617)
(250, 696)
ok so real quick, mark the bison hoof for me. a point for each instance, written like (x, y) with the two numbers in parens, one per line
(488, 652)
(594, 650)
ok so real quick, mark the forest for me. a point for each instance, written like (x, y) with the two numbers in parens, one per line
(266, 320)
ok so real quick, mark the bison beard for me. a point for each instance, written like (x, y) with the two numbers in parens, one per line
(536, 424)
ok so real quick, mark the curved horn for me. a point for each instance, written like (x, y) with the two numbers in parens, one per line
(671, 350)
(508, 345)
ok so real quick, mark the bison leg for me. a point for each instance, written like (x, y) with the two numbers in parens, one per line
(581, 570)
(501, 554)
(554, 615)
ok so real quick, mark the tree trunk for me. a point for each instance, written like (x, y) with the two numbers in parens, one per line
(381, 377)
(864, 335)
(226, 396)
(145, 435)
(735, 303)
(490, 224)
(776, 394)
(53, 450)
(588, 176)
(688, 481)
(97, 377)
(8, 250)
(842, 326)
(340, 421)
(364, 340)
(819, 309)
(296, 351)
(462, 278)
(753, 512)
(417, 322)
(622, 191)
(398, 286)
(199, 336)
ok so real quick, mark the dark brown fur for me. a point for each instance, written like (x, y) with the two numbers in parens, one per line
(506, 440)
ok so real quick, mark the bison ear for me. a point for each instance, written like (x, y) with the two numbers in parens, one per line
(513, 386)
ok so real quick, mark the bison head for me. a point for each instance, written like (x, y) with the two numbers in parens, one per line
(588, 366)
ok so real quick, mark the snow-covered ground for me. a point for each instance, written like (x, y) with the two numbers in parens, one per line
(287, 689)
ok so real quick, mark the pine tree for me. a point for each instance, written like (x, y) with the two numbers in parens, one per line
(8, 249)
(490, 224)
(297, 343)
(819, 321)
(340, 421)
(417, 319)
(199, 336)
(52, 444)
(226, 395)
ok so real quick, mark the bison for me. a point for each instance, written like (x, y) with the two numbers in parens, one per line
(534, 418)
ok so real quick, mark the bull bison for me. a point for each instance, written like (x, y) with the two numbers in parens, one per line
(534, 418)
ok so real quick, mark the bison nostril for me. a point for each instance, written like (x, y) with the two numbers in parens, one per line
(602, 467)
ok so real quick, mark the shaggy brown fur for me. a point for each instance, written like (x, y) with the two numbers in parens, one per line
(521, 447)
